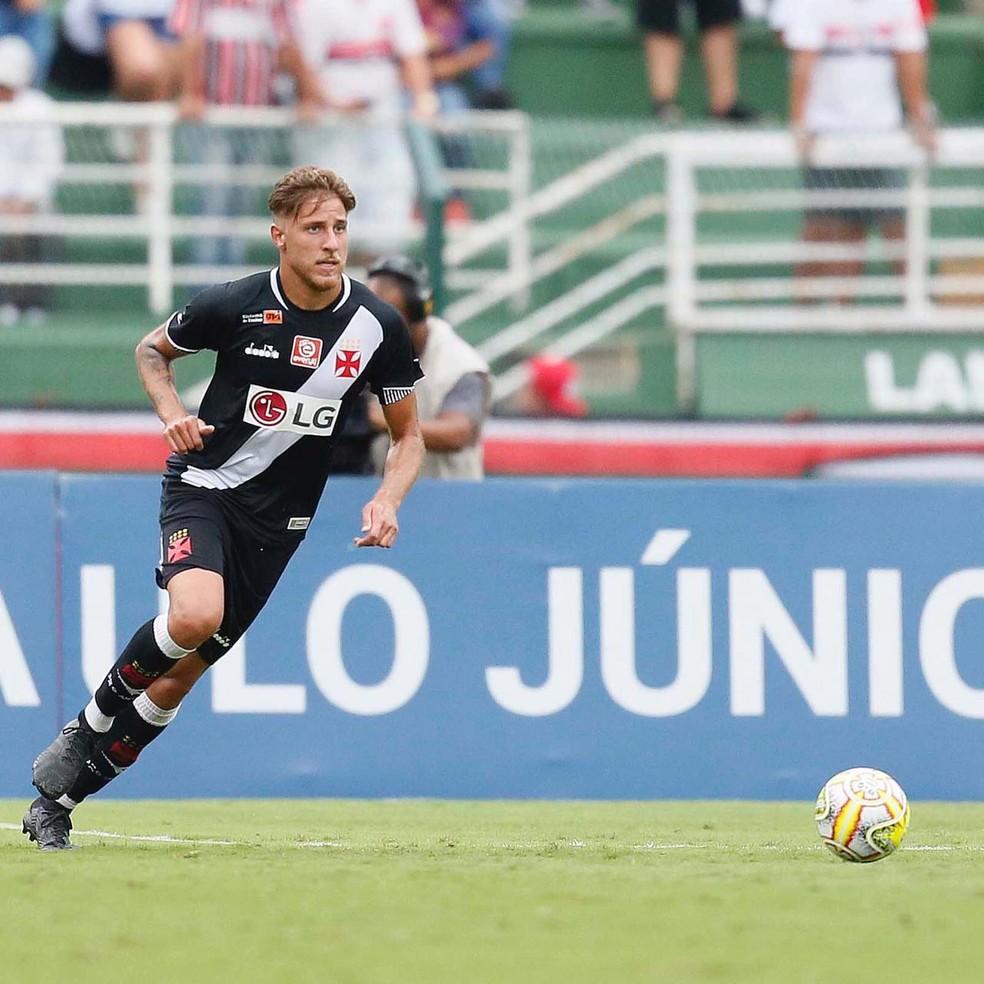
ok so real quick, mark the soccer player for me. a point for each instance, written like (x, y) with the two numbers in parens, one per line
(295, 345)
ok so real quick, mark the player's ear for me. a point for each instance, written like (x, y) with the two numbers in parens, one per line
(276, 234)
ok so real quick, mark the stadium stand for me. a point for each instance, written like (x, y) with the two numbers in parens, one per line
(581, 235)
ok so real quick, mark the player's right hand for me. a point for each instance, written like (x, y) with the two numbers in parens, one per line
(187, 434)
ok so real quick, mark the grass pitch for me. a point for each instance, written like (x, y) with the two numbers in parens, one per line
(422, 892)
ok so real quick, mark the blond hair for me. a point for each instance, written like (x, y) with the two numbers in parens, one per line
(300, 184)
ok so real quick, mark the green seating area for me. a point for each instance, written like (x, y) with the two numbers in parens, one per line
(565, 67)
(567, 64)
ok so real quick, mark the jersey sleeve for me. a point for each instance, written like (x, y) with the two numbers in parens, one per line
(316, 34)
(394, 368)
(408, 31)
(910, 32)
(804, 26)
(200, 325)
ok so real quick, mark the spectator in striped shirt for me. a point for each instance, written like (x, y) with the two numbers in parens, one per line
(232, 51)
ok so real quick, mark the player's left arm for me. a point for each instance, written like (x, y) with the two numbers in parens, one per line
(403, 461)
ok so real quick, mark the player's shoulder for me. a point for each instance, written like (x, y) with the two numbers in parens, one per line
(387, 315)
(236, 296)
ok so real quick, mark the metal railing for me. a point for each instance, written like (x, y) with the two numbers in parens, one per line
(158, 168)
(743, 279)
(699, 230)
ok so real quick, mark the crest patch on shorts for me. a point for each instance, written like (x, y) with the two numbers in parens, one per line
(178, 546)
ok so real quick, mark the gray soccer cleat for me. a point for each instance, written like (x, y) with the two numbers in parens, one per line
(48, 823)
(59, 765)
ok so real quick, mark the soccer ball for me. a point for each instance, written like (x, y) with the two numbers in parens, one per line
(862, 814)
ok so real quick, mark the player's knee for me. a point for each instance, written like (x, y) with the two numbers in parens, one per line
(189, 625)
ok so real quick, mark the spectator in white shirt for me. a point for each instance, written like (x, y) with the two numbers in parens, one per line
(31, 158)
(777, 14)
(851, 62)
(364, 64)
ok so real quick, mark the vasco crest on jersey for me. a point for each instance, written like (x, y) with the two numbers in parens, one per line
(348, 358)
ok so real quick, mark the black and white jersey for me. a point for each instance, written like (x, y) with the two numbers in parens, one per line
(284, 382)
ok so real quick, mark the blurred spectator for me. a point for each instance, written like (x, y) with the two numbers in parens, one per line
(777, 14)
(453, 57)
(551, 390)
(31, 158)
(32, 21)
(717, 22)
(123, 46)
(80, 65)
(230, 57)
(490, 20)
(454, 53)
(850, 62)
(359, 63)
(453, 396)
(601, 9)
(141, 48)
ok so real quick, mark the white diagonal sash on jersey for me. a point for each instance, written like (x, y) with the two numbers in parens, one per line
(259, 451)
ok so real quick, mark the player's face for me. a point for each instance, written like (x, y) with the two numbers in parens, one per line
(313, 251)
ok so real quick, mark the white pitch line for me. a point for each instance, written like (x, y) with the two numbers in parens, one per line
(648, 846)
(168, 839)
(150, 838)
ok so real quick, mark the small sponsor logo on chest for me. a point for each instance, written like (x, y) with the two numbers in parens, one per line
(269, 317)
(306, 352)
(298, 413)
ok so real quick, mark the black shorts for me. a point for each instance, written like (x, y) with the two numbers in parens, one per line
(855, 179)
(198, 533)
(663, 16)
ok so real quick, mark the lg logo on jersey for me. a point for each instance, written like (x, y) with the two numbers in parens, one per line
(295, 412)
(268, 408)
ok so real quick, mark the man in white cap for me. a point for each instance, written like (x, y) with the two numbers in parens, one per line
(31, 156)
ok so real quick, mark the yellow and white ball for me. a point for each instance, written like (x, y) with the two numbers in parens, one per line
(862, 814)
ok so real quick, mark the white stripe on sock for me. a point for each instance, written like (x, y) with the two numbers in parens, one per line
(96, 719)
(69, 804)
(152, 714)
(164, 641)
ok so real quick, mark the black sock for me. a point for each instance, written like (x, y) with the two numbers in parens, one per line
(133, 730)
(149, 654)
